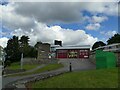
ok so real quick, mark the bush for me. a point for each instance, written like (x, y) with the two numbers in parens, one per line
(7, 63)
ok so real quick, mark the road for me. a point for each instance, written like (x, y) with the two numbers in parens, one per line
(77, 65)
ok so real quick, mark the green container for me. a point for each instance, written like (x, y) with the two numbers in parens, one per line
(105, 59)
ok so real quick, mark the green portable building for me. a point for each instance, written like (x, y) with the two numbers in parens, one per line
(105, 59)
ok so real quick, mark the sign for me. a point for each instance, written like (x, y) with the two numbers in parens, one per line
(72, 54)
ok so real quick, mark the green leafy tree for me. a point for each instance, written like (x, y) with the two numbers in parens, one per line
(33, 52)
(26, 49)
(24, 45)
(98, 44)
(13, 49)
(114, 39)
(24, 40)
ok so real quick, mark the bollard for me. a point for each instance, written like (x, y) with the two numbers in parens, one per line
(70, 67)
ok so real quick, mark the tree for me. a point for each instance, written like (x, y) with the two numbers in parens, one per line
(114, 39)
(24, 40)
(98, 44)
(26, 49)
(24, 45)
(33, 52)
(13, 49)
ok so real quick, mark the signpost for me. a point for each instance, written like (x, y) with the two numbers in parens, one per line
(3, 54)
(22, 61)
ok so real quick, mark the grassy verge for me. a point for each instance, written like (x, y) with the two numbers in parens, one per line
(16, 65)
(0, 62)
(46, 68)
(104, 78)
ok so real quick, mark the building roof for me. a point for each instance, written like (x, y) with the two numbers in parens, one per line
(110, 45)
(55, 46)
(75, 47)
(107, 46)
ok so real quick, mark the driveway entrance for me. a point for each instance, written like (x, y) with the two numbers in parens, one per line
(77, 64)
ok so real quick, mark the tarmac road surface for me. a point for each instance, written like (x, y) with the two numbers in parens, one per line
(77, 65)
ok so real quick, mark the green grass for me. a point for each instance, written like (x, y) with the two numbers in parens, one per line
(17, 65)
(0, 62)
(46, 68)
(104, 78)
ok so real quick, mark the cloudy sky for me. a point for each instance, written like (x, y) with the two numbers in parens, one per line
(75, 23)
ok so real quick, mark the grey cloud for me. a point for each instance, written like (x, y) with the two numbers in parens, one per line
(50, 12)
(21, 17)
(22, 14)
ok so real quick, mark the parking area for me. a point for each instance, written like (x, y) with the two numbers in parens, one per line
(77, 64)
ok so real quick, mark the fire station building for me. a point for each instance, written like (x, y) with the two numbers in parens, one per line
(73, 52)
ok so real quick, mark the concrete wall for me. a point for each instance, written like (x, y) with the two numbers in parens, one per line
(40, 61)
(35, 61)
(29, 60)
(118, 58)
(92, 58)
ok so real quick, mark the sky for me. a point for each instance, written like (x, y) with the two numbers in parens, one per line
(73, 22)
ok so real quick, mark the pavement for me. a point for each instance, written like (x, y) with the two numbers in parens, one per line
(7, 80)
(38, 67)
(0, 77)
(77, 65)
